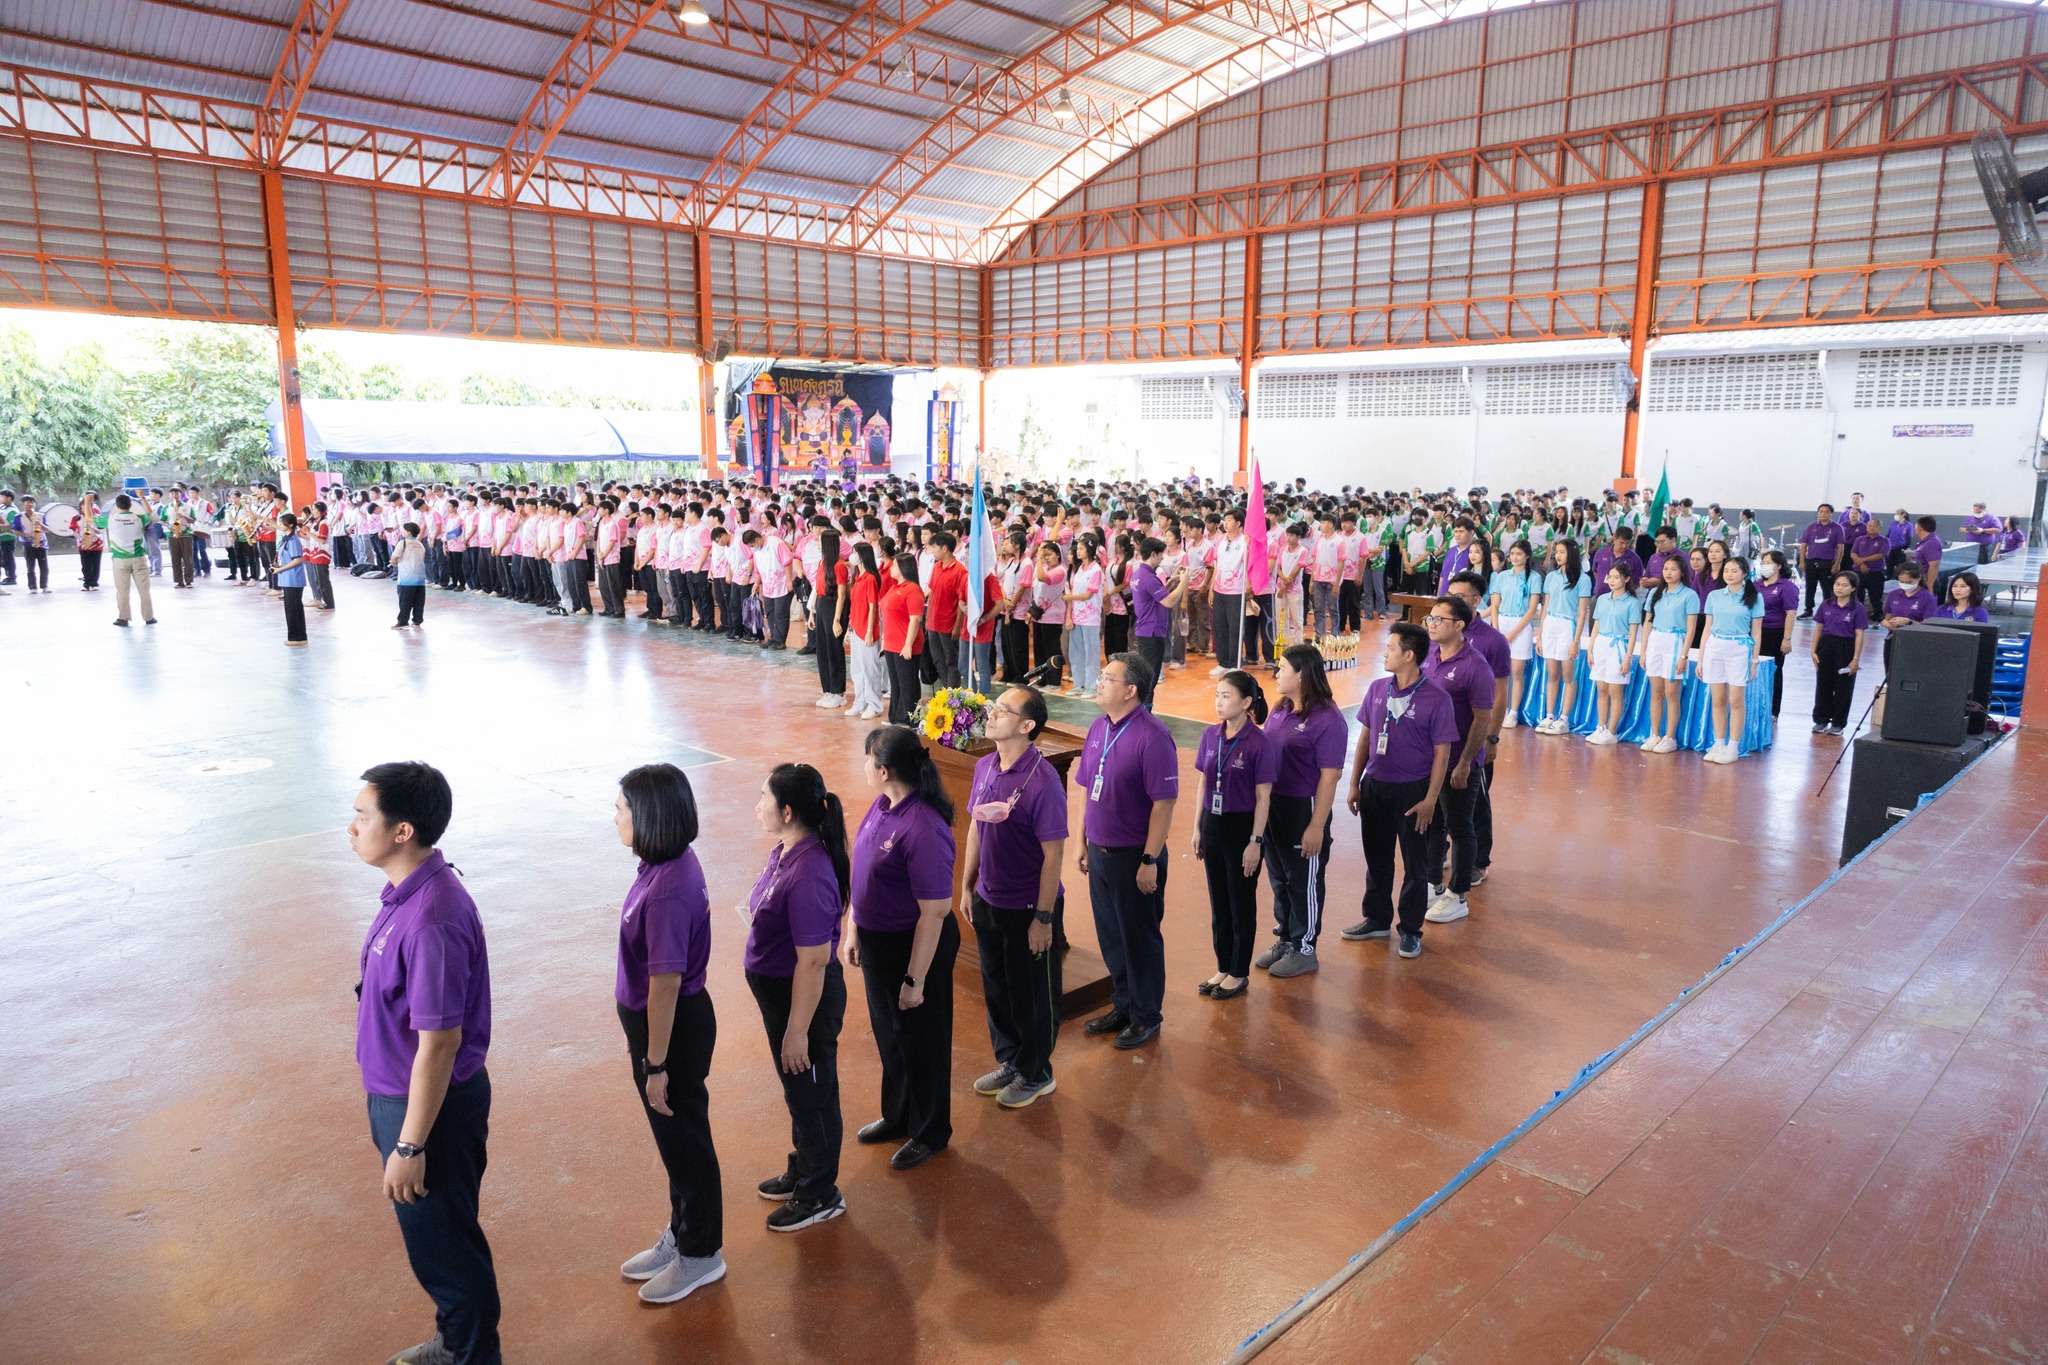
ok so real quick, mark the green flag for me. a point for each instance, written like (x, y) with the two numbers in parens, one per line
(1661, 501)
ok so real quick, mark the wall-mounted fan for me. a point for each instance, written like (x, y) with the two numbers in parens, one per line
(2014, 199)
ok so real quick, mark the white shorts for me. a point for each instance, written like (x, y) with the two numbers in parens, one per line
(1664, 655)
(1557, 636)
(1523, 645)
(1725, 661)
(1610, 660)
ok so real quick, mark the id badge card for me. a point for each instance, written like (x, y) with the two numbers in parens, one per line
(1216, 800)
(1095, 792)
(1381, 746)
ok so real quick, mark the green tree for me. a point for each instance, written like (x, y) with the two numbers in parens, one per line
(62, 428)
(200, 405)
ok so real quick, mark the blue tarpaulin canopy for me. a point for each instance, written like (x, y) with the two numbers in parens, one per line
(477, 433)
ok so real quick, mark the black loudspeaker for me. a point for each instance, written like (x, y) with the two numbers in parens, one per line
(1986, 636)
(1887, 778)
(1927, 685)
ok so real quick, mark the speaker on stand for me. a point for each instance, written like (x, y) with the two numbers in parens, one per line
(1927, 685)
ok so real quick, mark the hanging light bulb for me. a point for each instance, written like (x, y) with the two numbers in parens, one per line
(1063, 107)
(692, 12)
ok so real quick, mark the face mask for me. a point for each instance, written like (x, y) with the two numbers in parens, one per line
(1770, 570)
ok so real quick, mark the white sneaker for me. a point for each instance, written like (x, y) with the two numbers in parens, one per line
(1603, 735)
(1447, 909)
(832, 700)
(1217, 671)
(1510, 721)
(1668, 745)
(652, 1261)
(1721, 753)
(870, 714)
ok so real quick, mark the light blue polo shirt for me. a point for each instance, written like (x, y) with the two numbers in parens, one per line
(1728, 618)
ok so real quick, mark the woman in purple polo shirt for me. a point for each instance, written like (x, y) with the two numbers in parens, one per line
(1908, 604)
(792, 967)
(1309, 739)
(1839, 624)
(905, 942)
(1237, 763)
(1965, 601)
(664, 947)
(1781, 603)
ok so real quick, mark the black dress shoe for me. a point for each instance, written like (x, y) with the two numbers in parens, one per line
(1220, 993)
(1113, 1022)
(1205, 988)
(878, 1132)
(1133, 1036)
(911, 1155)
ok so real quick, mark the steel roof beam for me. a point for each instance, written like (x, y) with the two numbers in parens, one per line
(612, 25)
(311, 31)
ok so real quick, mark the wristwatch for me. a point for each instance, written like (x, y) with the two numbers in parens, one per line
(910, 981)
(654, 1068)
(407, 1150)
(1148, 860)
(1259, 839)
(1042, 916)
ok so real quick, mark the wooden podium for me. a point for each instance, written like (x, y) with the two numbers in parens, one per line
(1084, 978)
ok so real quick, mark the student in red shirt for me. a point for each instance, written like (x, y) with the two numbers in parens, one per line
(947, 594)
(318, 556)
(828, 620)
(902, 611)
(864, 634)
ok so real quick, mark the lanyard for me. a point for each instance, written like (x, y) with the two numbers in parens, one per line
(1102, 765)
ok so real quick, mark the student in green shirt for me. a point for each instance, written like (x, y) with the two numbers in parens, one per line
(125, 528)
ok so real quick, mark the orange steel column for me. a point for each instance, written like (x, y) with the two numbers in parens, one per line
(707, 382)
(1247, 351)
(1649, 249)
(2034, 701)
(291, 417)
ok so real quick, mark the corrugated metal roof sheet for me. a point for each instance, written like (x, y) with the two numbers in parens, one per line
(1934, 331)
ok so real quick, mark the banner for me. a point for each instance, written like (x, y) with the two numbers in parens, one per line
(942, 432)
(819, 424)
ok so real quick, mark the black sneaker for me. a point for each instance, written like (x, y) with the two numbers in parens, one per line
(778, 1187)
(1411, 944)
(797, 1214)
(1113, 1022)
(1363, 930)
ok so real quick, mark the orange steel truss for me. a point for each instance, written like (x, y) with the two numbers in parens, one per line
(311, 29)
(1882, 291)
(605, 34)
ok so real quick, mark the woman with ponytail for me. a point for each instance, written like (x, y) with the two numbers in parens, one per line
(905, 942)
(1237, 763)
(792, 967)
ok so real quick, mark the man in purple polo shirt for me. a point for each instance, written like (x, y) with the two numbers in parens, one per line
(1018, 805)
(1604, 558)
(1129, 774)
(1821, 547)
(1926, 552)
(1982, 530)
(423, 1025)
(1458, 669)
(1152, 598)
(1491, 646)
(1399, 765)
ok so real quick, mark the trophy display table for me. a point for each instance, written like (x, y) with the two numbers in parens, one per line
(1084, 978)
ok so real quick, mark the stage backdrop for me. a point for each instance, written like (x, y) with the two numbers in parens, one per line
(815, 423)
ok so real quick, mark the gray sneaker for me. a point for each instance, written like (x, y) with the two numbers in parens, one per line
(1411, 944)
(1361, 931)
(1019, 1092)
(1296, 963)
(652, 1261)
(996, 1081)
(426, 1353)
(681, 1276)
(1281, 948)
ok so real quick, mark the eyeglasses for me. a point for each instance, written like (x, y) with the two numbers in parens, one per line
(1010, 711)
(1435, 620)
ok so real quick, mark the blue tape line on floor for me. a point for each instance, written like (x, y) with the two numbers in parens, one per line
(1258, 1340)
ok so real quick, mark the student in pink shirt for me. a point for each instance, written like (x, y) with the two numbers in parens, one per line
(772, 583)
(1048, 608)
(1084, 617)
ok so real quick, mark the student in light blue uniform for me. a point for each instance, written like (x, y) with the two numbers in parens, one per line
(1617, 620)
(1674, 615)
(1566, 589)
(1516, 606)
(1728, 655)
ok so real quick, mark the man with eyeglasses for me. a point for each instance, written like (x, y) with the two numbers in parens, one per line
(1458, 669)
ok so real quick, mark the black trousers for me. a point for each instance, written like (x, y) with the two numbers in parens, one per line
(1233, 897)
(1482, 816)
(699, 583)
(1116, 636)
(1774, 640)
(683, 1135)
(1045, 642)
(1022, 990)
(89, 567)
(1258, 632)
(1818, 577)
(916, 1045)
(450, 1256)
(903, 686)
(812, 1096)
(412, 602)
(344, 551)
(1833, 689)
(36, 559)
(608, 589)
(1300, 880)
(294, 614)
(831, 651)
(1452, 836)
(1347, 605)
(1152, 649)
(1016, 649)
(1384, 825)
(1226, 628)
(1127, 928)
(1872, 587)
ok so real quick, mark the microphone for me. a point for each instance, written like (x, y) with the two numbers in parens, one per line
(1049, 671)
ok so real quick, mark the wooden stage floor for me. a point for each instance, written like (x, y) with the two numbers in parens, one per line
(192, 1179)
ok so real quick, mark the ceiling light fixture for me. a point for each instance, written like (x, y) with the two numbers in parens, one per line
(691, 12)
(1063, 108)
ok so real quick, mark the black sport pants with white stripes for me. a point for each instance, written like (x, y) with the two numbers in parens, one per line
(1299, 879)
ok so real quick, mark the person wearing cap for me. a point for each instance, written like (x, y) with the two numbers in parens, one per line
(1129, 774)
(423, 1029)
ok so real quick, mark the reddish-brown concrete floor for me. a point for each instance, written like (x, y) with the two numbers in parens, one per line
(1837, 1152)
(190, 1178)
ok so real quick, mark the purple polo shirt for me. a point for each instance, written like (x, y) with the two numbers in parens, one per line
(1604, 559)
(1468, 679)
(1457, 559)
(1248, 761)
(1492, 647)
(1981, 530)
(1138, 768)
(1304, 745)
(1430, 720)
(1927, 554)
(664, 927)
(1655, 568)
(902, 855)
(1899, 534)
(1016, 813)
(1841, 621)
(1947, 612)
(1822, 539)
(1148, 596)
(1781, 599)
(1871, 546)
(795, 904)
(424, 968)
(1918, 607)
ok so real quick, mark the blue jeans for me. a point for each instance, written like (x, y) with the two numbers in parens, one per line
(450, 1256)
(1084, 646)
(978, 665)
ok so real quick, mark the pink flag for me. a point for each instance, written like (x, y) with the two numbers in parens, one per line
(1258, 572)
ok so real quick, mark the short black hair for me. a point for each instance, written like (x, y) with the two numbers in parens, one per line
(1413, 639)
(1137, 673)
(664, 811)
(1033, 710)
(413, 794)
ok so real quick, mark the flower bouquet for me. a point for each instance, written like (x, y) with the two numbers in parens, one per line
(954, 716)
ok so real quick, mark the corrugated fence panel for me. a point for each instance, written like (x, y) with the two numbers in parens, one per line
(113, 232)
